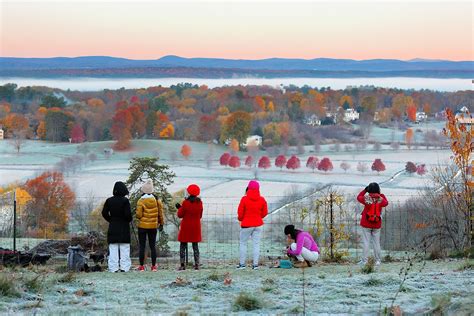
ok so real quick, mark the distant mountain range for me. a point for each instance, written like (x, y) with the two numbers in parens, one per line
(272, 67)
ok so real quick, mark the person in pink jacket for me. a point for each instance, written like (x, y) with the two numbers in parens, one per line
(302, 247)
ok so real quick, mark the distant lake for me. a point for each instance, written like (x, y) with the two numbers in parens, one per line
(95, 84)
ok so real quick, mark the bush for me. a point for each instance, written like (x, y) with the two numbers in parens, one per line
(246, 302)
(372, 282)
(7, 286)
(35, 284)
(67, 278)
(214, 276)
(466, 265)
(369, 267)
(440, 303)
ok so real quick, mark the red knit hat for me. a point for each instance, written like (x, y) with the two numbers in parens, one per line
(194, 190)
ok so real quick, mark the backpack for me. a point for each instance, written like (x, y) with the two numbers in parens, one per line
(373, 213)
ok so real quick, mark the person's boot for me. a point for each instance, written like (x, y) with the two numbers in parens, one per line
(301, 264)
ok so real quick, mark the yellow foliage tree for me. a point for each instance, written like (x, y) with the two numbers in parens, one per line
(461, 142)
(168, 131)
(271, 107)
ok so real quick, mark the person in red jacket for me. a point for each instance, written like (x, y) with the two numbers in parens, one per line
(371, 219)
(252, 210)
(190, 227)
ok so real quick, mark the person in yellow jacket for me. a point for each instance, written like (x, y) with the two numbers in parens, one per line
(150, 218)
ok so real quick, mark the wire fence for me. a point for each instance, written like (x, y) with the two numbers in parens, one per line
(333, 219)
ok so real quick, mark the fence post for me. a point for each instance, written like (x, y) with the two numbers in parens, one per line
(331, 225)
(14, 220)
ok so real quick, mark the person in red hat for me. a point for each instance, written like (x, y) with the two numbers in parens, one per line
(190, 228)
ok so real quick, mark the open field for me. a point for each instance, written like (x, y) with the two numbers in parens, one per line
(329, 288)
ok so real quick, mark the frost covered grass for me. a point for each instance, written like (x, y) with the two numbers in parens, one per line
(436, 286)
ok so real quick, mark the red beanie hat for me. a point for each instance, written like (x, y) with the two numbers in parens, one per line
(194, 190)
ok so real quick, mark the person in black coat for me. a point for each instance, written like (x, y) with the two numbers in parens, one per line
(118, 213)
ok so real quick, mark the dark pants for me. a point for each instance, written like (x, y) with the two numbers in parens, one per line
(142, 234)
(183, 247)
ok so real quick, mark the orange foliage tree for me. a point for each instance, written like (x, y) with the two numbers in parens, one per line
(260, 102)
(346, 100)
(138, 127)
(234, 145)
(53, 200)
(41, 130)
(186, 151)
(411, 112)
(409, 137)
(121, 129)
(15, 123)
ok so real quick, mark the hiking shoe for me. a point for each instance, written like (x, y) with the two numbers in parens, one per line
(362, 262)
(154, 268)
(181, 268)
(255, 267)
(141, 268)
(241, 267)
(377, 263)
(309, 264)
(300, 264)
(196, 267)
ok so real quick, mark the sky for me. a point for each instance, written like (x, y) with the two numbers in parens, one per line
(238, 30)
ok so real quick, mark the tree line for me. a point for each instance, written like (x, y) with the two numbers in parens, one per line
(198, 113)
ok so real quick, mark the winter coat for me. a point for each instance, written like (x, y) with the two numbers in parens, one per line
(252, 209)
(190, 227)
(149, 212)
(371, 201)
(303, 239)
(117, 212)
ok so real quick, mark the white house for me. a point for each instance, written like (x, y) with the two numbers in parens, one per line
(313, 120)
(421, 116)
(253, 140)
(351, 115)
(463, 116)
(2, 136)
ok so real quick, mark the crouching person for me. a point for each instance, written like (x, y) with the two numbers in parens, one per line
(301, 246)
(117, 212)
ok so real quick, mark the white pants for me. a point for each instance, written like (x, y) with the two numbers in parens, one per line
(245, 234)
(119, 257)
(306, 254)
(370, 235)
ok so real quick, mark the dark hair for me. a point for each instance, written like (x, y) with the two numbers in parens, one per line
(373, 188)
(193, 198)
(290, 230)
(246, 189)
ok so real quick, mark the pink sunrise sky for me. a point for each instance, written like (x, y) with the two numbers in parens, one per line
(245, 29)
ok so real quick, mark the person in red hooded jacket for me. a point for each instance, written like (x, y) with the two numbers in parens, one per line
(190, 227)
(252, 210)
(371, 219)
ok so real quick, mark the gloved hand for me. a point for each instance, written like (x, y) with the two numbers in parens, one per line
(160, 228)
(177, 205)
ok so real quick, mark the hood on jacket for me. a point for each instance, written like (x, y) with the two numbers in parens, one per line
(254, 194)
(120, 189)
